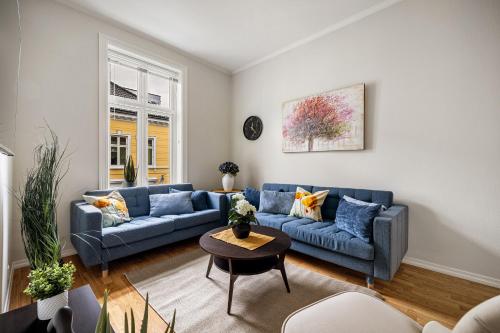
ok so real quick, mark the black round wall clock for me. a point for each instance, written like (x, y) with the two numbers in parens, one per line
(252, 129)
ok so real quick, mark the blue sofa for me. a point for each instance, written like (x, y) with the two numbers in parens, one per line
(380, 258)
(97, 245)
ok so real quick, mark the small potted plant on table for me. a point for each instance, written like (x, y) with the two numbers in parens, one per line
(129, 173)
(241, 215)
(49, 284)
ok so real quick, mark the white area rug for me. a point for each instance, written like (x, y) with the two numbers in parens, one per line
(260, 302)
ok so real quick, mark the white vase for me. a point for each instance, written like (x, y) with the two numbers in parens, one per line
(228, 182)
(47, 308)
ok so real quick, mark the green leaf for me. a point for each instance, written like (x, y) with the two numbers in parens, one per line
(144, 325)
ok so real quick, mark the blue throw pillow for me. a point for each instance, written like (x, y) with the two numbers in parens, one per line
(199, 198)
(275, 202)
(356, 219)
(253, 196)
(170, 204)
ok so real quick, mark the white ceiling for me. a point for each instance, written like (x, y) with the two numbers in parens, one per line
(233, 34)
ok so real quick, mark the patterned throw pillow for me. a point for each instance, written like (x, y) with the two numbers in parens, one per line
(113, 207)
(308, 204)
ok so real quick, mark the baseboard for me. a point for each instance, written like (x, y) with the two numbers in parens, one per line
(24, 262)
(483, 279)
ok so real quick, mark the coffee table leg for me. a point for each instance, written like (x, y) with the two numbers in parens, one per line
(281, 267)
(210, 263)
(232, 279)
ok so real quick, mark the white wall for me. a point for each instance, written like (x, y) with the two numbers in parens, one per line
(432, 74)
(9, 51)
(59, 85)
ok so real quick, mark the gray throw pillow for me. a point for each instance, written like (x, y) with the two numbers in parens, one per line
(170, 204)
(275, 202)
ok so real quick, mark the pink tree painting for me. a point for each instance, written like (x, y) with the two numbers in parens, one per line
(329, 121)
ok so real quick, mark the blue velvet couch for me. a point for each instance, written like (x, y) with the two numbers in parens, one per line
(96, 245)
(380, 258)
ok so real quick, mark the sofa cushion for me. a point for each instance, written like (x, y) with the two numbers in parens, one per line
(276, 202)
(199, 199)
(253, 196)
(326, 235)
(139, 228)
(308, 204)
(162, 189)
(329, 208)
(185, 221)
(137, 199)
(273, 220)
(170, 204)
(357, 219)
(285, 187)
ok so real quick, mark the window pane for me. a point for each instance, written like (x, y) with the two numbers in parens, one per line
(150, 143)
(113, 140)
(122, 81)
(114, 156)
(158, 90)
(150, 156)
(159, 127)
(123, 155)
(123, 125)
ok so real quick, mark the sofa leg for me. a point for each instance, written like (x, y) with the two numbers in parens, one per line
(104, 269)
(370, 282)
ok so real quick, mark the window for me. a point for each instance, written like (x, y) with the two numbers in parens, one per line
(142, 119)
(119, 150)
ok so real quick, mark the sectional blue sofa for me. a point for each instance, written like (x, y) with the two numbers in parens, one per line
(96, 245)
(380, 258)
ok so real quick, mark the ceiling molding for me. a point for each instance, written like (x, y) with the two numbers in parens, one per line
(140, 34)
(334, 27)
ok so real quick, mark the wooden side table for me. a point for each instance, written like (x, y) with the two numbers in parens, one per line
(227, 192)
(82, 301)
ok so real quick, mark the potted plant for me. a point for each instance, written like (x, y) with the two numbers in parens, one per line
(104, 325)
(49, 284)
(38, 203)
(129, 172)
(241, 215)
(229, 170)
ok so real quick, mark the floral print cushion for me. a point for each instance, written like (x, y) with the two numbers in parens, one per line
(308, 204)
(113, 207)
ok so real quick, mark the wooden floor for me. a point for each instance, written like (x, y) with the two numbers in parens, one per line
(421, 294)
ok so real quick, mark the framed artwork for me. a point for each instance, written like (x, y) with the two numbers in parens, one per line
(333, 120)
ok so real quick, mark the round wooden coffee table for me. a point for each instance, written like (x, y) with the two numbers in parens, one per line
(236, 260)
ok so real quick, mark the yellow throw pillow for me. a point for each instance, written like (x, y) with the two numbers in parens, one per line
(113, 207)
(308, 204)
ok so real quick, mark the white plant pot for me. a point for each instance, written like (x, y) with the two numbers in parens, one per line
(228, 182)
(47, 308)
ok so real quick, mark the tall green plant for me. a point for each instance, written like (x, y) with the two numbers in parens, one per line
(38, 202)
(104, 326)
(129, 172)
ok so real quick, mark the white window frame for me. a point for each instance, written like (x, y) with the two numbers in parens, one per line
(118, 145)
(177, 118)
(153, 153)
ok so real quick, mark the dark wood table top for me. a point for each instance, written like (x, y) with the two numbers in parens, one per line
(82, 301)
(222, 249)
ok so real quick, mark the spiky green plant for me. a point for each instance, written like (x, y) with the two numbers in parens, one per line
(38, 202)
(129, 172)
(104, 326)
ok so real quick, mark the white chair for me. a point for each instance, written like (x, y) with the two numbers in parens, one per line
(354, 312)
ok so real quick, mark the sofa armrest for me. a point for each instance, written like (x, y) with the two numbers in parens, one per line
(218, 201)
(86, 232)
(390, 240)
